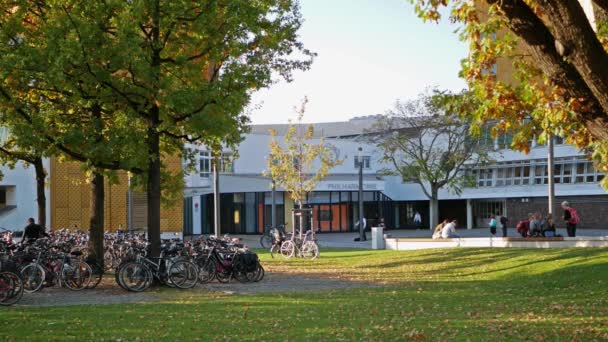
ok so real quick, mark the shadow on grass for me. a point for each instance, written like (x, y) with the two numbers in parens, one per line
(517, 307)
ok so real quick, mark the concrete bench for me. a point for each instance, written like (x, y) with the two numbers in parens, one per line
(495, 242)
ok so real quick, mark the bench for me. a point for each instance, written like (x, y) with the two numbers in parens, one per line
(495, 242)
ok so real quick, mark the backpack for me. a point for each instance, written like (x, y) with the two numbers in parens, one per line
(521, 227)
(574, 219)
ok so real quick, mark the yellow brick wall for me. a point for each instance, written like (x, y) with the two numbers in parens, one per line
(70, 195)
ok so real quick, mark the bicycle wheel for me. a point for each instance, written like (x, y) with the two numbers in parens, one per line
(76, 275)
(135, 277)
(206, 270)
(11, 288)
(310, 250)
(265, 241)
(184, 274)
(288, 249)
(33, 276)
(117, 278)
(96, 276)
(239, 269)
(259, 275)
(224, 276)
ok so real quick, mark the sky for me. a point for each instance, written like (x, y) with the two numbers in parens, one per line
(371, 53)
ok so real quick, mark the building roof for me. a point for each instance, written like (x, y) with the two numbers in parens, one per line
(340, 129)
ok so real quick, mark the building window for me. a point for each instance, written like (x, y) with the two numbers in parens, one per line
(565, 171)
(485, 138)
(205, 163)
(541, 174)
(2, 198)
(226, 163)
(504, 141)
(586, 173)
(366, 162)
(484, 177)
(325, 215)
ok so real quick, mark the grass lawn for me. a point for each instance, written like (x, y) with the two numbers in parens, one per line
(451, 294)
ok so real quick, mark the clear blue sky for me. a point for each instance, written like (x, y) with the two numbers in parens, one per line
(370, 53)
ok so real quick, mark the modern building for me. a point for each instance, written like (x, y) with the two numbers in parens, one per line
(514, 185)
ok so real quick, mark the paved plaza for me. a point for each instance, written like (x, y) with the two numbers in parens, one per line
(346, 240)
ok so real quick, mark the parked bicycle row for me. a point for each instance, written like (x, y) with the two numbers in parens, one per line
(60, 259)
(292, 244)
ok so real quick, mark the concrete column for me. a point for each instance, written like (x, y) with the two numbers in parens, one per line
(469, 214)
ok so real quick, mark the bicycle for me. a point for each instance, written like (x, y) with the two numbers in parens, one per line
(302, 246)
(138, 275)
(267, 237)
(59, 268)
(11, 288)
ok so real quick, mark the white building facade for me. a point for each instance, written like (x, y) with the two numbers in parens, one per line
(514, 185)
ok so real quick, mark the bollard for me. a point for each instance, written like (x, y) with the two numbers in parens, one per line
(377, 238)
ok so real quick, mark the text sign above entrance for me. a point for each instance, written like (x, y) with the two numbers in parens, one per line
(349, 186)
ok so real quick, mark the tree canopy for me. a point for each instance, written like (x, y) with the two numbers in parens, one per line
(557, 56)
(426, 141)
(299, 164)
(165, 72)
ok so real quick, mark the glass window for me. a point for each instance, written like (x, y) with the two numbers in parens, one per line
(205, 164)
(319, 197)
(226, 163)
(366, 162)
(2, 198)
(526, 175)
(567, 173)
(540, 174)
(325, 215)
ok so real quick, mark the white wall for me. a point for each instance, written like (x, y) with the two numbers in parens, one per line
(253, 151)
(24, 180)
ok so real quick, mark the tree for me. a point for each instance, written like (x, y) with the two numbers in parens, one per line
(429, 145)
(559, 60)
(49, 107)
(181, 70)
(298, 164)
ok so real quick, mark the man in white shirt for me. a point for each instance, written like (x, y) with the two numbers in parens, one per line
(418, 220)
(449, 231)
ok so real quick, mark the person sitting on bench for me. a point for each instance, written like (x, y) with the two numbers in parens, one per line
(449, 231)
(549, 228)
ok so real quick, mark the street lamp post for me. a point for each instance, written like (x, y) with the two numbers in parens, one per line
(550, 174)
(361, 226)
(216, 196)
(273, 209)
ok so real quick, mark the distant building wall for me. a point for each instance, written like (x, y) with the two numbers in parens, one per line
(70, 198)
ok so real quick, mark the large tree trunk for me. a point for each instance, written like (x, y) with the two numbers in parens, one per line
(542, 46)
(153, 184)
(96, 225)
(434, 208)
(153, 142)
(40, 195)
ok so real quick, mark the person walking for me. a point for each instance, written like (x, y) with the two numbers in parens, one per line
(503, 223)
(493, 225)
(571, 218)
(417, 220)
(364, 223)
